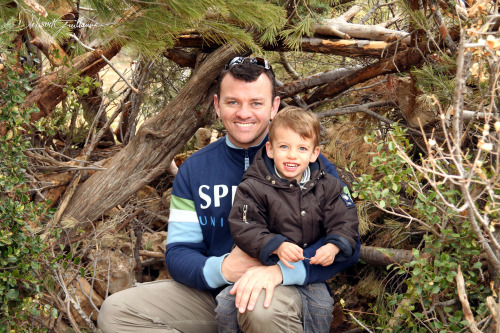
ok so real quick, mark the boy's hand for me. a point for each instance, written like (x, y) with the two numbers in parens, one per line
(325, 255)
(289, 252)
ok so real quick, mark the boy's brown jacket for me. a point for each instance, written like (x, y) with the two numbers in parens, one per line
(268, 210)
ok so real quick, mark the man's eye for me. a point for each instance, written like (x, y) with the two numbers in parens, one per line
(257, 104)
(232, 102)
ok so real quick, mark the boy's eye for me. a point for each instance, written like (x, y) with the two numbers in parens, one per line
(283, 146)
(303, 149)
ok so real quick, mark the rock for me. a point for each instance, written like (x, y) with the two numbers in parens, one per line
(149, 198)
(154, 241)
(202, 137)
(116, 265)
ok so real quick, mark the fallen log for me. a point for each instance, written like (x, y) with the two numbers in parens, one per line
(379, 256)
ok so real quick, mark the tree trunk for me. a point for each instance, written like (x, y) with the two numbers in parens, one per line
(150, 152)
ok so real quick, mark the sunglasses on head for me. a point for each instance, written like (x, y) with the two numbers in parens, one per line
(257, 61)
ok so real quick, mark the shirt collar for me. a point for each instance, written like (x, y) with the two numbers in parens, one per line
(232, 145)
(306, 176)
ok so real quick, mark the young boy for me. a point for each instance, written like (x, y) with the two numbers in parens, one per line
(286, 201)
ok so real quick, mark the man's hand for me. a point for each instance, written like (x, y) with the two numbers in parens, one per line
(236, 264)
(289, 252)
(249, 286)
(325, 255)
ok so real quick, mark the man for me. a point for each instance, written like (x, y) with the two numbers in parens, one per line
(199, 254)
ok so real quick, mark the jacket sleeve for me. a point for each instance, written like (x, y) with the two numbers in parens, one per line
(305, 273)
(185, 255)
(249, 229)
(340, 219)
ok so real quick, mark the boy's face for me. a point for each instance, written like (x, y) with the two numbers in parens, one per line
(291, 153)
(246, 108)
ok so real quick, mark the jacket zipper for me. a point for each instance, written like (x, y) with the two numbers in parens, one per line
(245, 209)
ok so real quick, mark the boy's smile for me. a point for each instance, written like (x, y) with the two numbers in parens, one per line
(291, 153)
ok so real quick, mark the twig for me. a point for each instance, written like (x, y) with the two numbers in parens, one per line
(365, 109)
(108, 62)
(360, 323)
(127, 221)
(151, 254)
(66, 199)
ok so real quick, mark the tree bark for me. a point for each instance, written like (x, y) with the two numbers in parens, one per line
(375, 256)
(398, 63)
(343, 47)
(150, 152)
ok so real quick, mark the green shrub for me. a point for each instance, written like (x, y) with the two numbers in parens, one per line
(21, 249)
(428, 299)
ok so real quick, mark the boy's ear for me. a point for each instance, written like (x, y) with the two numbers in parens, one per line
(269, 150)
(314, 155)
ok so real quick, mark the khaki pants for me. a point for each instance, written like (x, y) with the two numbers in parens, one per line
(170, 307)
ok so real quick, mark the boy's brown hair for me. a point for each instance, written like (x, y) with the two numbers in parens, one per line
(303, 122)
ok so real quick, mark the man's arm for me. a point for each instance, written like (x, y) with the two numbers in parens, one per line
(186, 251)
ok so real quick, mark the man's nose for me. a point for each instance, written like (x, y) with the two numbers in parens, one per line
(244, 111)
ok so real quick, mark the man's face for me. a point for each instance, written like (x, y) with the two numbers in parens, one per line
(246, 108)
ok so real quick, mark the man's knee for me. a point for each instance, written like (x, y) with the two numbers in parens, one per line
(109, 310)
(284, 314)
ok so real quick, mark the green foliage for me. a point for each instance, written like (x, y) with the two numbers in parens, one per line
(152, 28)
(21, 250)
(435, 79)
(448, 243)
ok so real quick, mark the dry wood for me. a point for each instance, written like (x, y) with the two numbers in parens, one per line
(495, 311)
(377, 256)
(400, 62)
(302, 84)
(152, 254)
(462, 295)
(39, 9)
(51, 49)
(339, 27)
(49, 90)
(342, 47)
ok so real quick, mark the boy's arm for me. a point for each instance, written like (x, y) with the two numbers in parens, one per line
(340, 219)
(249, 229)
(305, 273)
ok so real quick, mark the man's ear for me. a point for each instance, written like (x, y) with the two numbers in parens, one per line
(269, 150)
(275, 107)
(314, 155)
(216, 105)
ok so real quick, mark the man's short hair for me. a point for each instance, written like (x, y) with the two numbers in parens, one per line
(301, 121)
(247, 69)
